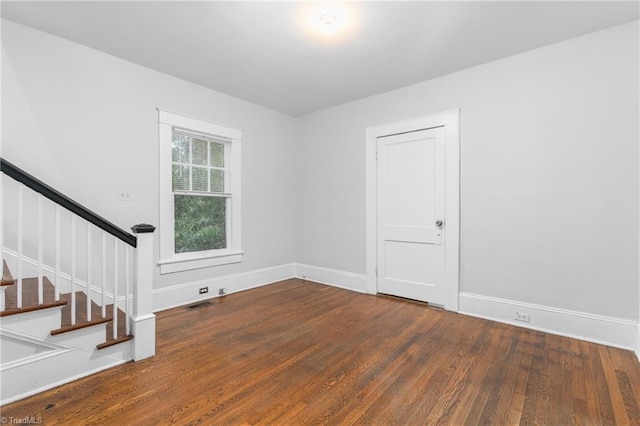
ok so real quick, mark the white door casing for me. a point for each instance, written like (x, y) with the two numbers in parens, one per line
(443, 248)
(410, 190)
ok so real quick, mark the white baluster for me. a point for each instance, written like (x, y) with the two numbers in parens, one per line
(57, 271)
(126, 289)
(104, 273)
(115, 288)
(20, 229)
(89, 249)
(40, 244)
(73, 269)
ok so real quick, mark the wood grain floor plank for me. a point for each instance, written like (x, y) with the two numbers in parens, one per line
(297, 353)
(508, 407)
(611, 377)
(579, 394)
(458, 411)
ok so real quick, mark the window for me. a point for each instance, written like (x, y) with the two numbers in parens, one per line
(199, 193)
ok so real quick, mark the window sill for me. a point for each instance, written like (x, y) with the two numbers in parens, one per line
(168, 266)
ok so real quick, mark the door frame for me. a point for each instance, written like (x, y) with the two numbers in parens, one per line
(450, 120)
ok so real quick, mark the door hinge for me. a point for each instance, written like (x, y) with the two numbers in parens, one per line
(376, 272)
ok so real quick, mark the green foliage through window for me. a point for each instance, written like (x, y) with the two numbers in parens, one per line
(200, 223)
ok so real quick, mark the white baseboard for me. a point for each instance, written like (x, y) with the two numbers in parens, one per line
(580, 325)
(332, 277)
(638, 343)
(182, 294)
(594, 328)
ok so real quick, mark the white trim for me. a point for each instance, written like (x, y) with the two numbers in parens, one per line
(170, 261)
(63, 381)
(333, 277)
(197, 125)
(637, 348)
(183, 294)
(55, 349)
(144, 330)
(450, 121)
(580, 325)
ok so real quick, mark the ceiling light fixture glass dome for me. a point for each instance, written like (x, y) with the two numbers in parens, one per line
(328, 21)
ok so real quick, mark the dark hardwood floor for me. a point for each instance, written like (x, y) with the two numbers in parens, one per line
(295, 353)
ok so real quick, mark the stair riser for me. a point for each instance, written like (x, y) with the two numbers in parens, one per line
(85, 339)
(36, 323)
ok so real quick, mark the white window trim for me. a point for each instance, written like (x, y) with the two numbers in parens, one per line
(170, 261)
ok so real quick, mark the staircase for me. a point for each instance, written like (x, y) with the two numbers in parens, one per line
(54, 326)
(30, 304)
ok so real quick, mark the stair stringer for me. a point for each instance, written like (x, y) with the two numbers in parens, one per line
(56, 359)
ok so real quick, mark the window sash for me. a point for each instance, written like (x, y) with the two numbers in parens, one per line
(191, 165)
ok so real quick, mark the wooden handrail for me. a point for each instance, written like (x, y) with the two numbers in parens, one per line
(59, 198)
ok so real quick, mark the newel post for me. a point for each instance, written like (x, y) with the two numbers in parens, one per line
(143, 321)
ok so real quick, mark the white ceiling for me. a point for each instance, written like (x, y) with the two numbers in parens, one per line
(265, 53)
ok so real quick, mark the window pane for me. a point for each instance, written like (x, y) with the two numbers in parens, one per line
(217, 180)
(180, 148)
(200, 152)
(200, 223)
(217, 154)
(199, 178)
(180, 178)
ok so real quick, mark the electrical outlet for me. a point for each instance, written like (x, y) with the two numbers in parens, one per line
(204, 290)
(222, 291)
(520, 316)
(125, 196)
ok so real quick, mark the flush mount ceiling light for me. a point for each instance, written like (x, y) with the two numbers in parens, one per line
(327, 19)
(328, 24)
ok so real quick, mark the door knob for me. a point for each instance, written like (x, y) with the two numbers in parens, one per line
(439, 223)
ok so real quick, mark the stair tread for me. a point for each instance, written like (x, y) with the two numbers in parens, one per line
(30, 297)
(15, 311)
(7, 278)
(79, 325)
(96, 317)
(111, 341)
(121, 332)
(81, 310)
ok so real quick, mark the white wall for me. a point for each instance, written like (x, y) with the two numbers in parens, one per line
(549, 152)
(549, 174)
(86, 123)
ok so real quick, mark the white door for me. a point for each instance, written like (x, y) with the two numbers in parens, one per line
(410, 215)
